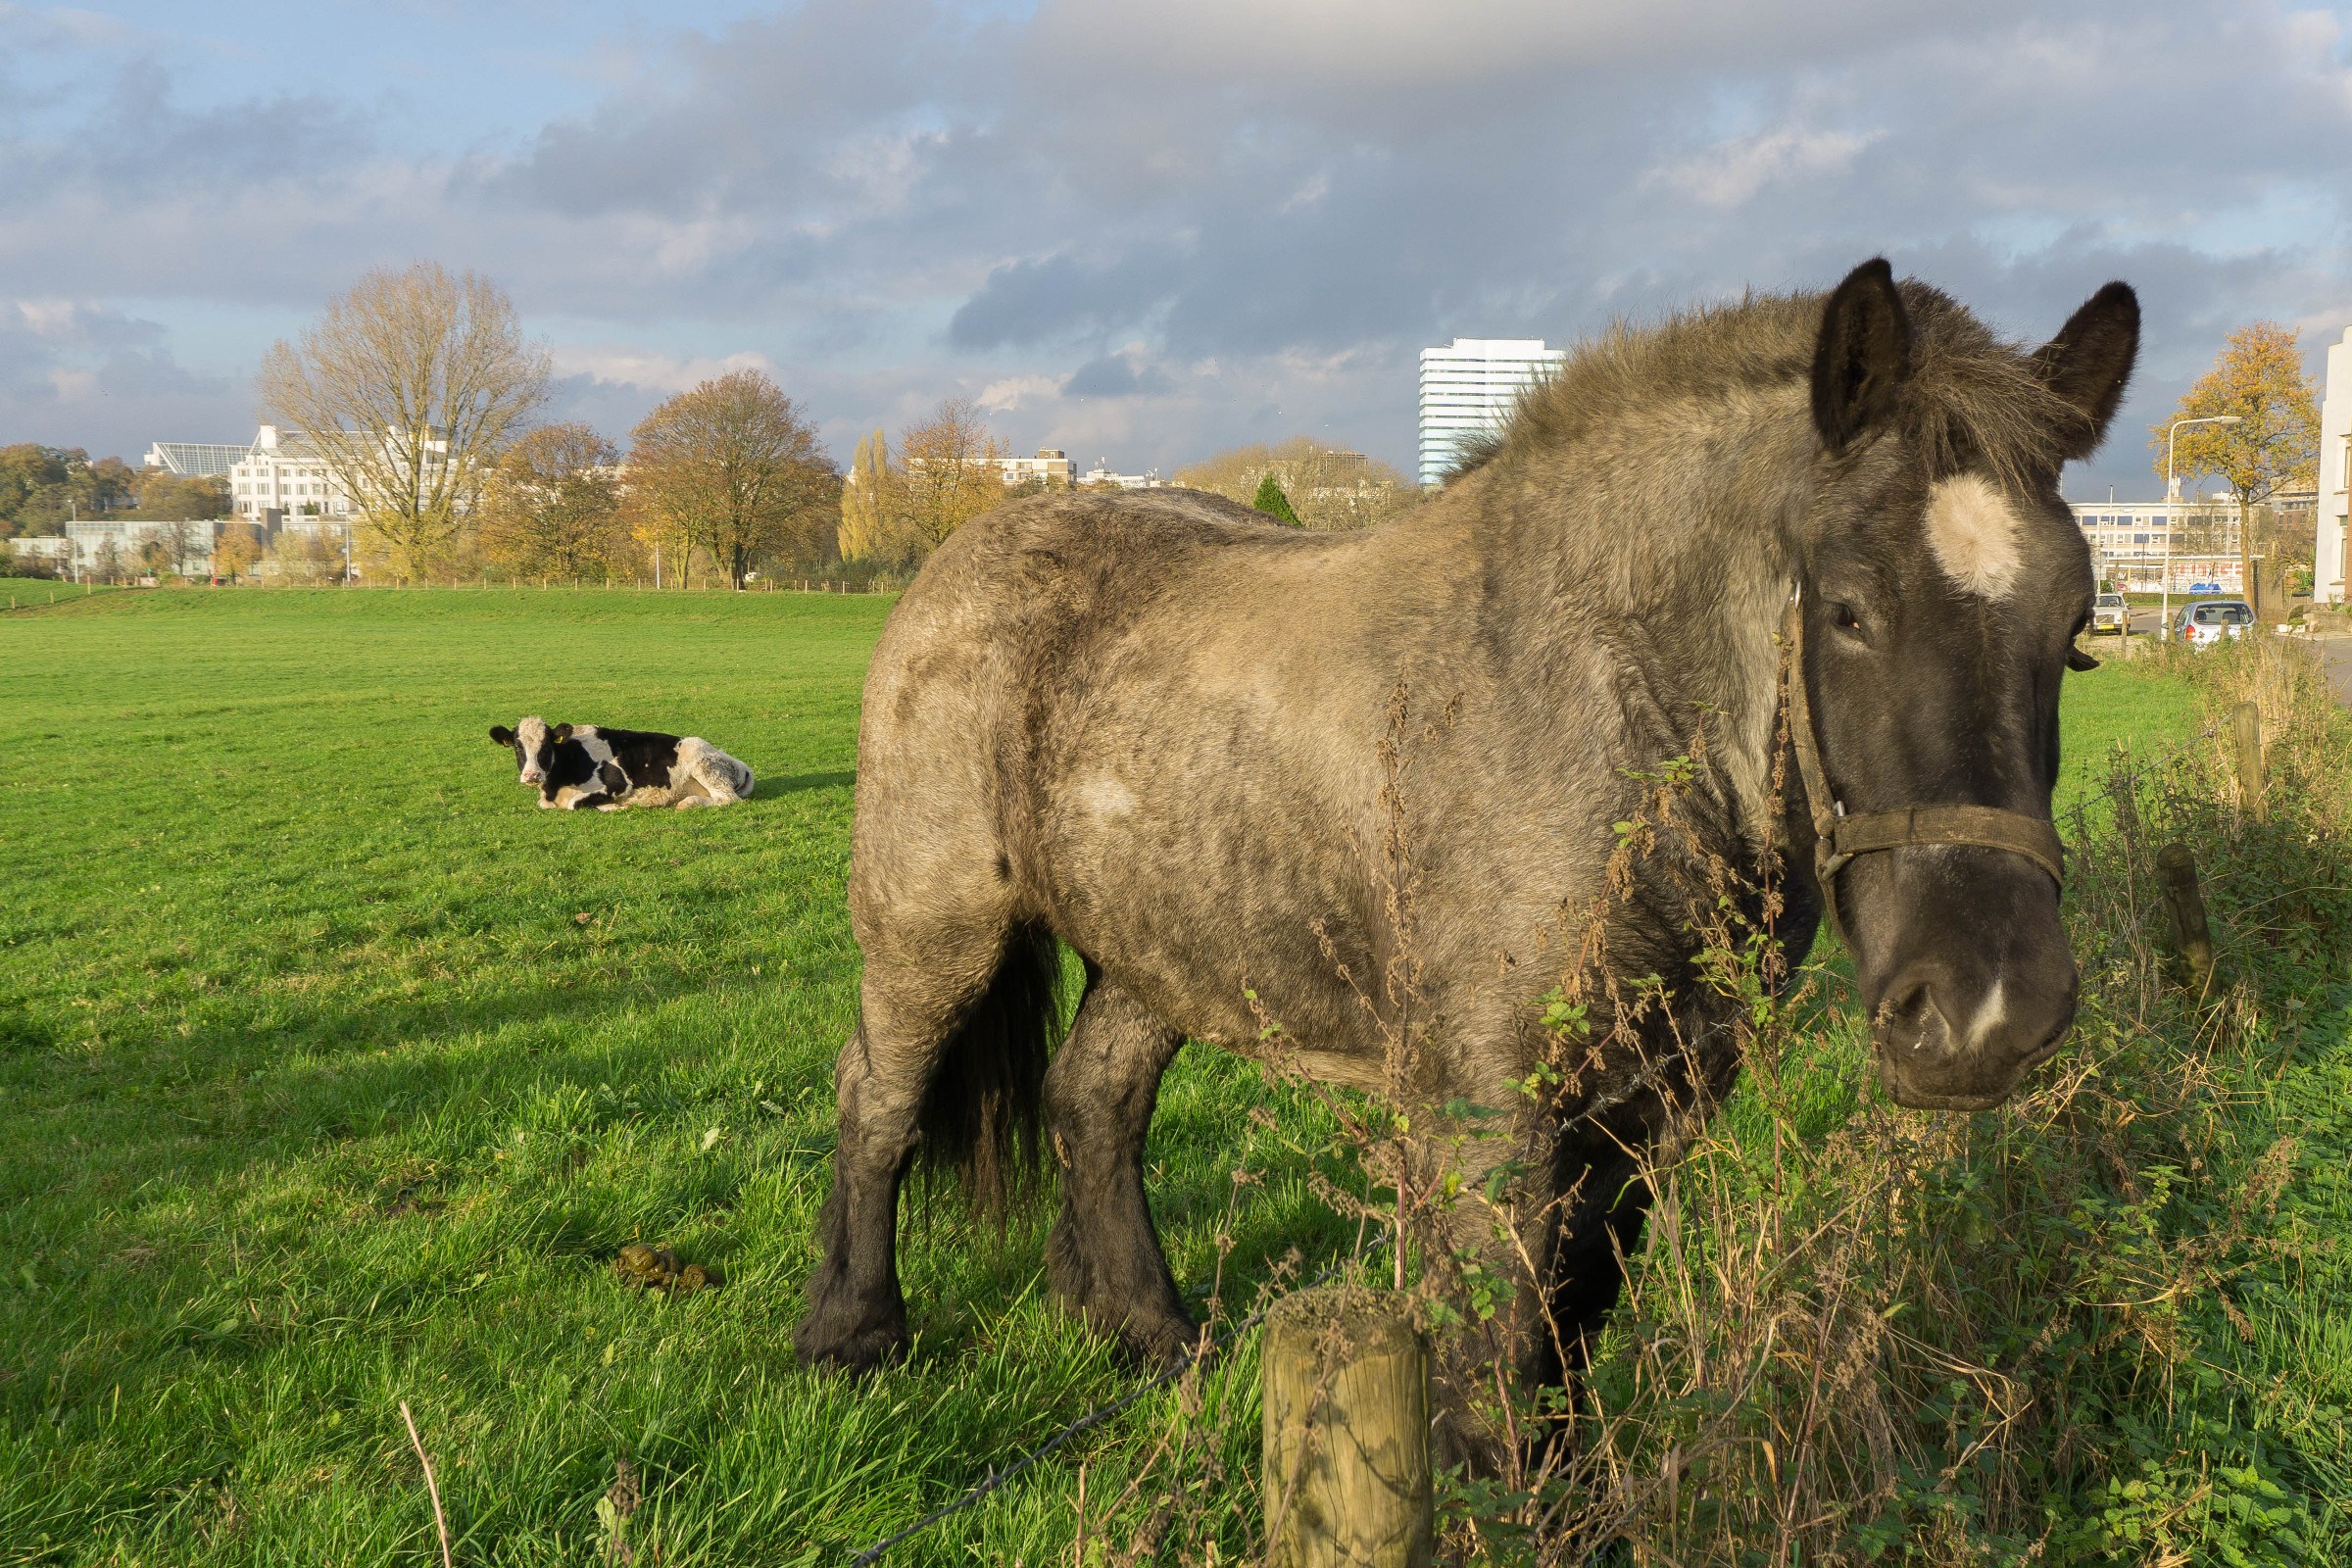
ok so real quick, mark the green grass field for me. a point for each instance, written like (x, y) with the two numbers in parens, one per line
(333, 1074)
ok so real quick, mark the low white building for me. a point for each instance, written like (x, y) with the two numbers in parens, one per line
(50, 552)
(1100, 474)
(2335, 475)
(90, 543)
(2131, 543)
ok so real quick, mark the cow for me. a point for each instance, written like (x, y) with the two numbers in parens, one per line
(578, 766)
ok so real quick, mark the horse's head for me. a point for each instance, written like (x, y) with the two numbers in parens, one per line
(1943, 586)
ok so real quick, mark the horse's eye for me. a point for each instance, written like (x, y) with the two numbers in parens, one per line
(1843, 617)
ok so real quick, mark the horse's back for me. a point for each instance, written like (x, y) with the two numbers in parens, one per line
(1087, 710)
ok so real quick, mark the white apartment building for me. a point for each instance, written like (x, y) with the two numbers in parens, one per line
(1470, 389)
(194, 459)
(2335, 475)
(283, 475)
(2128, 542)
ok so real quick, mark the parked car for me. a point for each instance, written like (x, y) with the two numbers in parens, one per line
(2203, 624)
(2109, 612)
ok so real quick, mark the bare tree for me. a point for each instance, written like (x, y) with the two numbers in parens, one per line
(552, 504)
(409, 387)
(733, 466)
(1327, 487)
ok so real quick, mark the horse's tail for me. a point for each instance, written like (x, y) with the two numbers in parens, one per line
(982, 1117)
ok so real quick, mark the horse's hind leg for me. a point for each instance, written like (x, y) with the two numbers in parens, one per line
(857, 1316)
(1103, 1257)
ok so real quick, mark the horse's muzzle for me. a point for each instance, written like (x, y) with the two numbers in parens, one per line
(1945, 1044)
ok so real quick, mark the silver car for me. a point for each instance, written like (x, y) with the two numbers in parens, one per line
(2109, 612)
(2203, 624)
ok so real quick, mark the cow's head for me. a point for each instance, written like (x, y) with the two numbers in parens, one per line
(534, 741)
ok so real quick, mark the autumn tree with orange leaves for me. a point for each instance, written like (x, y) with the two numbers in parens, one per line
(2275, 446)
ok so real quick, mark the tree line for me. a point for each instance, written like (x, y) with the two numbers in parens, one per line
(419, 393)
(42, 488)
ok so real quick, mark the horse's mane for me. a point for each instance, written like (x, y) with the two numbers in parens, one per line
(1973, 399)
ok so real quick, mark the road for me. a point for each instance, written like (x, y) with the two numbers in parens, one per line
(2337, 653)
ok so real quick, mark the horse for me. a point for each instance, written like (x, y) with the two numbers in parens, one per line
(1147, 725)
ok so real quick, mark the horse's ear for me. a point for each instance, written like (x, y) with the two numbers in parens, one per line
(1863, 358)
(2089, 361)
(501, 734)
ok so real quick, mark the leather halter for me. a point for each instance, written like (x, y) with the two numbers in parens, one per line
(1837, 838)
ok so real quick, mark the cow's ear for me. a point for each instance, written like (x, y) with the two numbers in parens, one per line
(561, 733)
(501, 734)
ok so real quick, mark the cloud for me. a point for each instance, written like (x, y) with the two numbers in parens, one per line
(1010, 395)
(1147, 232)
(651, 369)
(1054, 298)
(73, 373)
(1735, 170)
(1118, 375)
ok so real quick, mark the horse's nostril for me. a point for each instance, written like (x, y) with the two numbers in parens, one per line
(1913, 1004)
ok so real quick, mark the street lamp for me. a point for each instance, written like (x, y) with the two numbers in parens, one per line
(2171, 499)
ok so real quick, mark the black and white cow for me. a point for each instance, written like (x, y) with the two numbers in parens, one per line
(577, 767)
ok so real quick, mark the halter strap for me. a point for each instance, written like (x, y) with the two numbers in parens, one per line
(1837, 838)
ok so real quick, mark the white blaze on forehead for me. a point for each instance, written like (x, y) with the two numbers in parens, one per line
(1976, 535)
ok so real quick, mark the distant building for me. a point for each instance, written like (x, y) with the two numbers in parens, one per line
(1469, 390)
(194, 459)
(1052, 467)
(2335, 500)
(50, 551)
(188, 546)
(1100, 474)
(283, 475)
(2129, 551)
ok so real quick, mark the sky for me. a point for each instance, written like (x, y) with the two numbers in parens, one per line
(1138, 233)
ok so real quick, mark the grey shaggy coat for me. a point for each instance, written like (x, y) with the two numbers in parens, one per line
(1149, 726)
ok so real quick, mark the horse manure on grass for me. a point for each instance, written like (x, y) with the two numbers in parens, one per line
(658, 1268)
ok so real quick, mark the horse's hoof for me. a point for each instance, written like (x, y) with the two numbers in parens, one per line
(854, 1351)
(1162, 1345)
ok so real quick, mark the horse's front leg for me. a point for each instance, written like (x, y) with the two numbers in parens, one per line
(1484, 1189)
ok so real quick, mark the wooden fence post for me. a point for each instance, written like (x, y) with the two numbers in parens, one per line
(1346, 1475)
(2246, 727)
(2177, 870)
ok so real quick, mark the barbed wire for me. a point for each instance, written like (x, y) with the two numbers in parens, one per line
(997, 1480)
